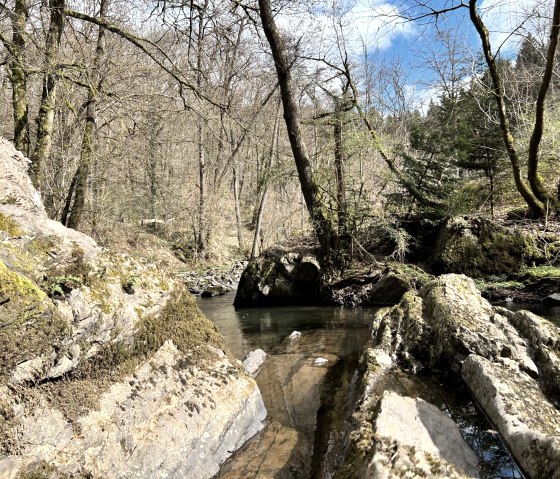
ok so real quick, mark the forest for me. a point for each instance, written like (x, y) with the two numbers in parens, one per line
(186, 117)
(298, 239)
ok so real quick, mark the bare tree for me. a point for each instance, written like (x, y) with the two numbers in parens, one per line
(321, 223)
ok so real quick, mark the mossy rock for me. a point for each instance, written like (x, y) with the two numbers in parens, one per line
(10, 226)
(279, 278)
(478, 247)
(29, 323)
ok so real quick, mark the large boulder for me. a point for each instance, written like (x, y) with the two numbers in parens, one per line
(526, 419)
(416, 439)
(509, 360)
(392, 435)
(107, 367)
(478, 247)
(279, 278)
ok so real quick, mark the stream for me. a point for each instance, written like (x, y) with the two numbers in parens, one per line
(308, 403)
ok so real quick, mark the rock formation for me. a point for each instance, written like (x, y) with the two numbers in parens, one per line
(107, 367)
(478, 247)
(510, 362)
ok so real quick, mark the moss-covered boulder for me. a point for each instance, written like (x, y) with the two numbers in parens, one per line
(107, 367)
(279, 277)
(478, 247)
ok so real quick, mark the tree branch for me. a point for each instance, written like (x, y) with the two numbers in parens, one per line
(141, 43)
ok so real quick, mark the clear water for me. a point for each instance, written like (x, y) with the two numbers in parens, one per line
(552, 313)
(340, 334)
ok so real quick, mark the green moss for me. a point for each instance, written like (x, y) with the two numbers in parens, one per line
(29, 324)
(40, 246)
(479, 247)
(413, 273)
(539, 272)
(10, 226)
(181, 322)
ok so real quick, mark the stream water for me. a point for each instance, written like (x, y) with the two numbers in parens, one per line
(307, 403)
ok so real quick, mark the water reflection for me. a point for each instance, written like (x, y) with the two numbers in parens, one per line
(552, 313)
(250, 328)
(336, 333)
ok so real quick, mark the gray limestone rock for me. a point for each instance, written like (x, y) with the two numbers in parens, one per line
(162, 421)
(513, 364)
(527, 421)
(70, 333)
(416, 439)
(254, 361)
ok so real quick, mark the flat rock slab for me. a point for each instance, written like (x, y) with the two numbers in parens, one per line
(418, 440)
(528, 422)
(254, 361)
(166, 420)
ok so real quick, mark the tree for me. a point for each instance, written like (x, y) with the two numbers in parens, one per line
(321, 223)
(535, 194)
(76, 196)
(45, 117)
(18, 72)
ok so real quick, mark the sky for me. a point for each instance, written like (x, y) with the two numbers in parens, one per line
(413, 47)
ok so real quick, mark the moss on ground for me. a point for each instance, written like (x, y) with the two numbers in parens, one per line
(416, 275)
(181, 322)
(29, 324)
(540, 272)
(10, 226)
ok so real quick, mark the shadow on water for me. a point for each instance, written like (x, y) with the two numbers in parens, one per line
(308, 405)
(552, 313)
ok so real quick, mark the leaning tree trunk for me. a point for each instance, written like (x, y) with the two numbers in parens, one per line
(18, 76)
(533, 175)
(321, 224)
(536, 206)
(45, 117)
(76, 198)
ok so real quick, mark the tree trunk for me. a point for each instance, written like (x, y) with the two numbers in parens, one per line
(533, 175)
(339, 167)
(237, 208)
(536, 206)
(321, 224)
(203, 233)
(18, 76)
(45, 117)
(262, 190)
(72, 215)
(202, 237)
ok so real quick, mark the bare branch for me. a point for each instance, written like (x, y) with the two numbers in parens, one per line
(166, 64)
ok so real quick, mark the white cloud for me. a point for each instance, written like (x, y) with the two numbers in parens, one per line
(368, 23)
(509, 20)
(375, 24)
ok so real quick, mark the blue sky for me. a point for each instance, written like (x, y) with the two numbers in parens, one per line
(414, 46)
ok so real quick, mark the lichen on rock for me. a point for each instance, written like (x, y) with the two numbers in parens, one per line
(101, 380)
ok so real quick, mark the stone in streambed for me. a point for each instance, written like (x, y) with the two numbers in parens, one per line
(254, 361)
(416, 439)
(528, 422)
(552, 300)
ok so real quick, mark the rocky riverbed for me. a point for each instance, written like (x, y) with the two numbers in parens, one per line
(213, 281)
(509, 361)
(107, 367)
